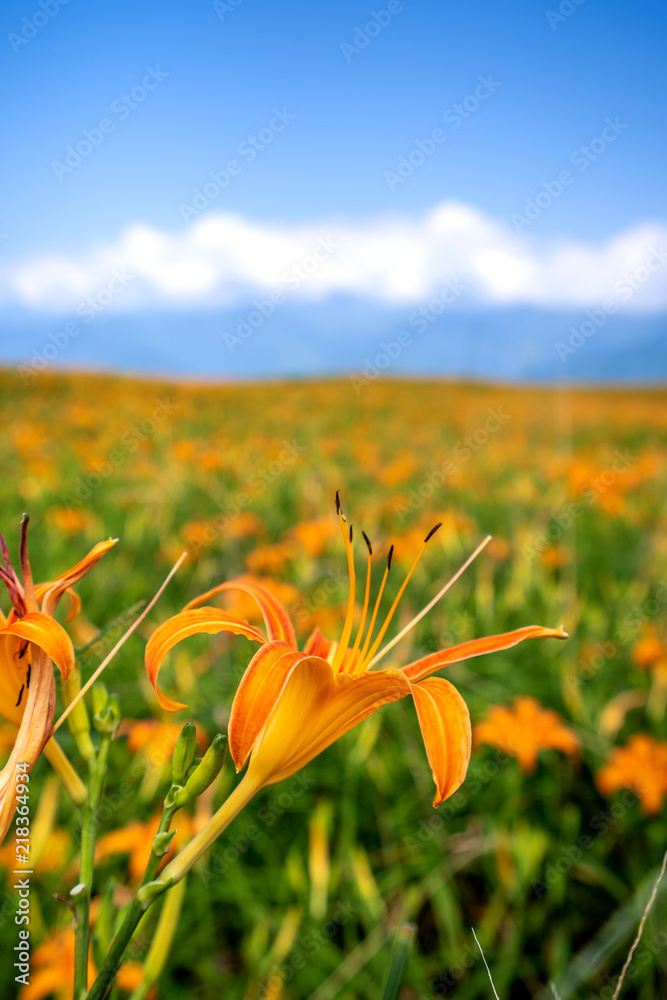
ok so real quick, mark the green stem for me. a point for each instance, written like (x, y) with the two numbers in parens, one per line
(107, 973)
(89, 811)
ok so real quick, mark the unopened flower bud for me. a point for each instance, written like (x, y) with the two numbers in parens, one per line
(162, 842)
(152, 890)
(100, 697)
(107, 720)
(184, 753)
(205, 773)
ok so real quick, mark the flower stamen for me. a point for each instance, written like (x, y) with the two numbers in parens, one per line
(362, 658)
(349, 615)
(381, 634)
(434, 600)
(364, 611)
(26, 572)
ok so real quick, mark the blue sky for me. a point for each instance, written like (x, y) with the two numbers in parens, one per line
(558, 72)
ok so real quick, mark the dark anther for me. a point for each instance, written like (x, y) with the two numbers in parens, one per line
(350, 533)
(370, 547)
(338, 501)
(23, 650)
(20, 696)
(27, 680)
(391, 552)
(433, 531)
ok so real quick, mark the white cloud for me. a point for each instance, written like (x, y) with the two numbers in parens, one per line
(226, 260)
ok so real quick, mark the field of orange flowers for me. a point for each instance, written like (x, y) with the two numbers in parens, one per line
(551, 845)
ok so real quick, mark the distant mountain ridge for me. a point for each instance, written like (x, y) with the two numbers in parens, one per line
(347, 336)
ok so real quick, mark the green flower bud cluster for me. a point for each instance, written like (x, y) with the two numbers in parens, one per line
(191, 775)
(106, 710)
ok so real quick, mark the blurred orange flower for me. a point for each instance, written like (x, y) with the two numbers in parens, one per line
(155, 739)
(136, 839)
(640, 765)
(524, 730)
(650, 653)
(313, 536)
(52, 972)
(270, 558)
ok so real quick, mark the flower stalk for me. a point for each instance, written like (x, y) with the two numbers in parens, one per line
(137, 908)
(89, 820)
(200, 843)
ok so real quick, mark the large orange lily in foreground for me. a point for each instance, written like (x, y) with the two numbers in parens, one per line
(31, 641)
(291, 705)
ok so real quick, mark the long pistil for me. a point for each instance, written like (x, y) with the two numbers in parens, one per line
(434, 600)
(362, 658)
(368, 659)
(364, 611)
(349, 615)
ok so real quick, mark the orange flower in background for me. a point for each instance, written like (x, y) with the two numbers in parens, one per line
(641, 765)
(313, 536)
(292, 705)
(70, 520)
(31, 640)
(52, 972)
(155, 739)
(270, 558)
(650, 653)
(136, 839)
(525, 729)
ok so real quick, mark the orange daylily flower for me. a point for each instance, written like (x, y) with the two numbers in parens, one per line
(525, 729)
(292, 705)
(640, 765)
(52, 972)
(31, 641)
(650, 653)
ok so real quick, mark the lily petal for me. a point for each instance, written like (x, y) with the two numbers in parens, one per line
(476, 647)
(317, 645)
(204, 620)
(45, 632)
(33, 734)
(316, 708)
(257, 695)
(49, 594)
(277, 621)
(445, 724)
